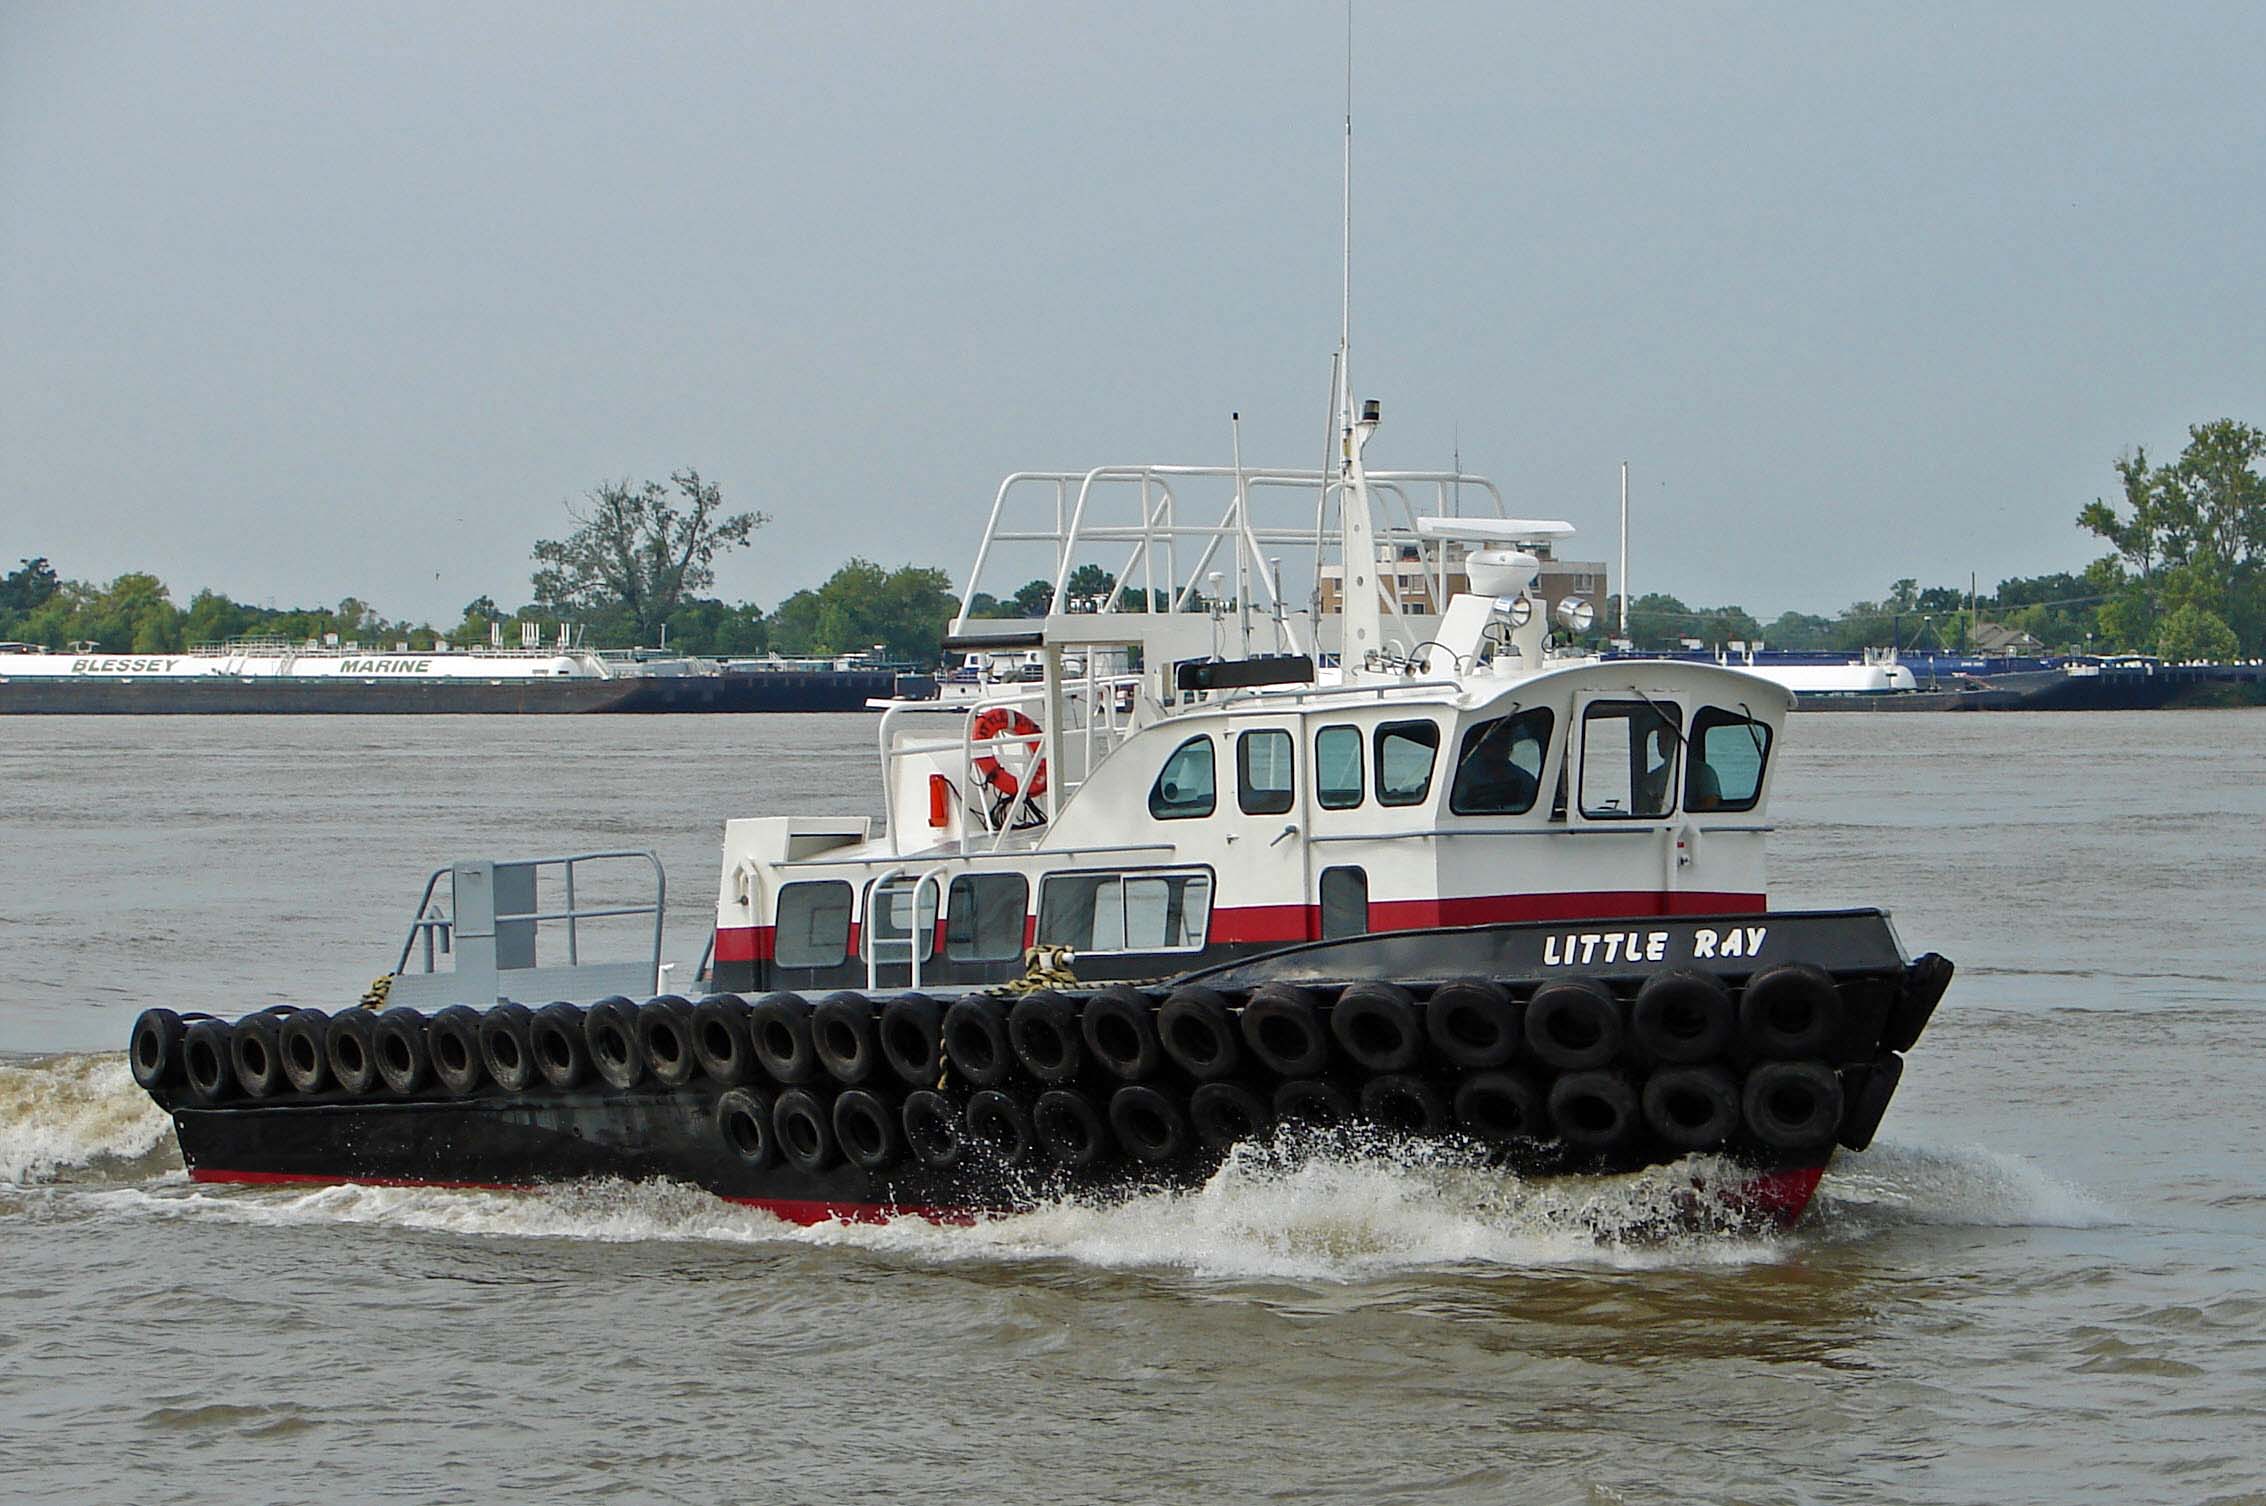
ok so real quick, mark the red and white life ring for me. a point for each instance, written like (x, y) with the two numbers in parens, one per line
(990, 723)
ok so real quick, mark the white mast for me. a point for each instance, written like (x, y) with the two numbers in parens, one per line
(1360, 625)
(1624, 551)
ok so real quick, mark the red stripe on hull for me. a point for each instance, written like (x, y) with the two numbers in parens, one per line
(1289, 924)
(1779, 1196)
(793, 1210)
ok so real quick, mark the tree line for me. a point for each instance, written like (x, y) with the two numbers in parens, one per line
(2185, 578)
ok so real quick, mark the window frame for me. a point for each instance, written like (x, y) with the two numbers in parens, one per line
(1672, 788)
(779, 930)
(1479, 730)
(1158, 811)
(1322, 795)
(1288, 794)
(957, 950)
(1705, 720)
(1431, 768)
(1181, 870)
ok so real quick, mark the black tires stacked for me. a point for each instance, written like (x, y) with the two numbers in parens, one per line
(1121, 1080)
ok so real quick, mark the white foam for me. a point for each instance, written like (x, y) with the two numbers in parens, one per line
(1956, 1185)
(60, 1113)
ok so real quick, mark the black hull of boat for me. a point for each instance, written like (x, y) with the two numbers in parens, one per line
(1384, 1033)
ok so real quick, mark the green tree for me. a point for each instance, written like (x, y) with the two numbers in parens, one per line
(640, 550)
(2191, 632)
(28, 588)
(903, 611)
(2191, 534)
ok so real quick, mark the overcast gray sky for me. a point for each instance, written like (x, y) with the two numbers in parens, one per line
(303, 301)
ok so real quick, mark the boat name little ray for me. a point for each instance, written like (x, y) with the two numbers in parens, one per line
(1582, 948)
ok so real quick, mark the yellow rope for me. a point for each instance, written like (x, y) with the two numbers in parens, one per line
(374, 997)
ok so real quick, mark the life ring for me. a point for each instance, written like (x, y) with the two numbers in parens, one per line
(990, 723)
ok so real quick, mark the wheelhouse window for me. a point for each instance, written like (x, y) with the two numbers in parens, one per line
(1628, 760)
(1262, 772)
(813, 925)
(1167, 911)
(1185, 784)
(1405, 754)
(896, 926)
(1337, 768)
(1499, 767)
(984, 917)
(1345, 902)
(1728, 754)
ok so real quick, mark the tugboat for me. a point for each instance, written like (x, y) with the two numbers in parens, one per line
(1216, 869)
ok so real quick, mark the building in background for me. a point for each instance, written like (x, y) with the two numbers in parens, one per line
(1417, 593)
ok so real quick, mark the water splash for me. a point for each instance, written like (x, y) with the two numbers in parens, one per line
(61, 1115)
(1966, 1185)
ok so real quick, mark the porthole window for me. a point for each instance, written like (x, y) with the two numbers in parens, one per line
(1185, 785)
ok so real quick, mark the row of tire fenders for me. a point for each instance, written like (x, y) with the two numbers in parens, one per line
(1070, 1079)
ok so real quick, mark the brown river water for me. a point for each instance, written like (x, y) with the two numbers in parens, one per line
(2046, 1282)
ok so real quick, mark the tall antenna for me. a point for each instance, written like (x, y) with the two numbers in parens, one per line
(1345, 307)
(1624, 550)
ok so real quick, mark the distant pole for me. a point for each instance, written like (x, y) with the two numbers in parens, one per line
(1624, 551)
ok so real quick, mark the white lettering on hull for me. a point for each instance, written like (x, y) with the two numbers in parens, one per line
(1591, 948)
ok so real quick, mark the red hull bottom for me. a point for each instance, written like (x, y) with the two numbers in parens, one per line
(1774, 1197)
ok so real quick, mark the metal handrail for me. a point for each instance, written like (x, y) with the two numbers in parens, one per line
(428, 921)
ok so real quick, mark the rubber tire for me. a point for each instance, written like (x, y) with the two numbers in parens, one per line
(1313, 1103)
(1376, 1025)
(779, 1027)
(664, 1039)
(154, 1049)
(1573, 1025)
(561, 1049)
(257, 1055)
(932, 1129)
(1671, 1092)
(1792, 1105)
(743, 1122)
(976, 1043)
(353, 1049)
(912, 1040)
(609, 1029)
(999, 1128)
(1197, 1032)
(1225, 1114)
(302, 1043)
(1148, 1125)
(1120, 1027)
(1573, 1100)
(1868, 1101)
(208, 1062)
(721, 1042)
(507, 1047)
(405, 1062)
(1789, 1011)
(843, 1034)
(1043, 1030)
(804, 1129)
(866, 1128)
(454, 1036)
(1069, 1128)
(1683, 1016)
(1404, 1105)
(1282, 1027)
(1473, 1024)
(1502, 1108)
